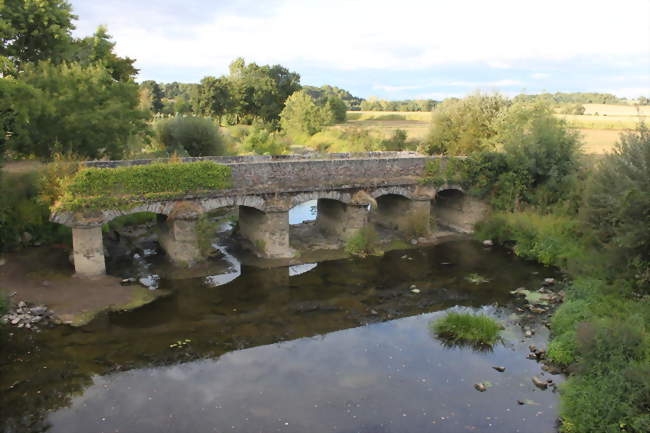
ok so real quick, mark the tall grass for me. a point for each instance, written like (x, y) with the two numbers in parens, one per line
(464, 328)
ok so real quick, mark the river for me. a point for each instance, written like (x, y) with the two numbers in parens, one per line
(338, 346)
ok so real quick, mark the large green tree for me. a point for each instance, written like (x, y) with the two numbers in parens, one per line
(71, 108)
(99, 48)
(249, 92)
(212, 97)
(33, 30)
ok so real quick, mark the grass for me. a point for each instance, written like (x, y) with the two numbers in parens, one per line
(127, 187)
(464, 328)
(602, 330)
(362, 243)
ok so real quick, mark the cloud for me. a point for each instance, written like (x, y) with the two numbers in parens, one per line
(350, 35)
(539, 75)
(485, 84)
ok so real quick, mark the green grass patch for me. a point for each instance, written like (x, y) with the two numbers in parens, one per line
(127, 187)
(362, 243)
(467, 329)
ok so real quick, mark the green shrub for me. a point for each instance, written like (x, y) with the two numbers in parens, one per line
(126, 187)
(23, 211)
(617, 201)
(562, 349)
(396, 143)
(464, 328)
(261, 140)
(363, 242)
(194, 136)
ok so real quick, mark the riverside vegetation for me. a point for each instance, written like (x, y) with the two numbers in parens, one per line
(554, 206)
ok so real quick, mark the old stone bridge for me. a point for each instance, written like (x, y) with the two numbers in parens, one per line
(265, 188)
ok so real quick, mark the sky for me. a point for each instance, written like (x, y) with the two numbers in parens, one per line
(390, 49)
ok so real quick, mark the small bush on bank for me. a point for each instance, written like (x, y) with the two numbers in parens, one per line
(363, 242)
(194, 136)
(464, 328)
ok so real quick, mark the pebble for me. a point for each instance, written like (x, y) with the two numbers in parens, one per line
(415, 290)
(480, 387)
(499, 368)
(488, 243)
(541, 384)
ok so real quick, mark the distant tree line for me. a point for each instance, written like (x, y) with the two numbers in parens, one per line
(573, 98)
(374, 104)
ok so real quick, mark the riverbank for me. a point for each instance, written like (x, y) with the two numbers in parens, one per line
(44, 276)
(601, 334)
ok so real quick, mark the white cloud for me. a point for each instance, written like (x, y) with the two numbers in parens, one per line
(362, 34)
(389, 88)
(486, 84)
(539, 75)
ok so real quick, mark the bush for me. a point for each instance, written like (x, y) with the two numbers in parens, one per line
(193, 136)
(261, 140)
(363, 242)
(397, 142)
(464, 328)
(617, 201)
(126, 187)
(22, 211)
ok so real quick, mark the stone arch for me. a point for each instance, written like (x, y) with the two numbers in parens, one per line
(393, 190)
(317, 195)
(454, 210)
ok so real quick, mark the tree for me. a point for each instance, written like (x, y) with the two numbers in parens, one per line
(212, 97)
(98, 48)
(463, 126)
(155, 93)
(301, 117)
(71, 108)
(260, 91)
(33, 30)
(337, 108)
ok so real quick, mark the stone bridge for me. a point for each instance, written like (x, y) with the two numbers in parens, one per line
(265, 188)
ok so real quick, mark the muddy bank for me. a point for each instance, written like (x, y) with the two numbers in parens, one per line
(44, 276)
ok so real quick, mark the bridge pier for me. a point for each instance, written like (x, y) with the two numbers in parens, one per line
(410, 217)
(180, 240)
(268, 232)
(88, 251)
(340, 220)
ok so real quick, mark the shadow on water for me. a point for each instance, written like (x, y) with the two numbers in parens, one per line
(335, 346)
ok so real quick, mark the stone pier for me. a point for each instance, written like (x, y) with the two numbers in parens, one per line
(88, 250)
(180, 240)
(268, 232)
(408, 216)
(339, 220)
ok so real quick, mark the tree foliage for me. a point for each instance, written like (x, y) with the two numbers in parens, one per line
(155, 94)
(69, 108)
(98, 49)
(33, 30)
(617, 199)
(463, 126)
(301, 117)
(249, 92)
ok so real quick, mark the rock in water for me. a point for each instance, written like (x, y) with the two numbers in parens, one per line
(499, 368)
(415, 291)
(480, 387)
(549, 281)
(541, 384)
(488, 243)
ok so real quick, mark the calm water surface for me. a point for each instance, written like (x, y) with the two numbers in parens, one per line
(340, 346)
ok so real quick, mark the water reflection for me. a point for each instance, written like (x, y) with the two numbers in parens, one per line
(315, 351)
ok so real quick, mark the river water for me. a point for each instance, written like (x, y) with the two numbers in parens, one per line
(338, 346)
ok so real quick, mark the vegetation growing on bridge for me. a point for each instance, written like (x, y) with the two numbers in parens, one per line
(127, 187)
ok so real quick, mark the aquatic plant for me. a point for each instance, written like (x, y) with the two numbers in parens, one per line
(465, 328)
(476, 278)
